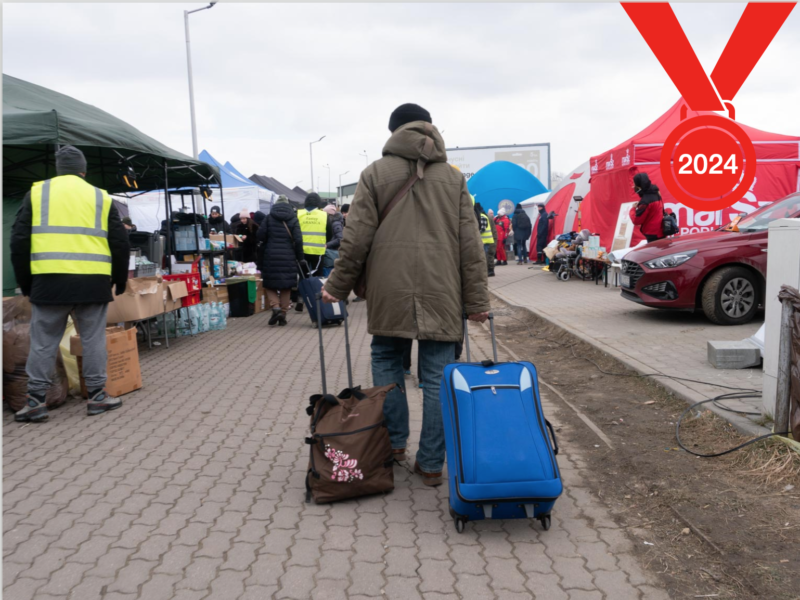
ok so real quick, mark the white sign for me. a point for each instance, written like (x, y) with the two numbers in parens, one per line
(533, 157)
(624, 229)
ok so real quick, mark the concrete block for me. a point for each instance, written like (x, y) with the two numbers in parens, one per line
(734, 355)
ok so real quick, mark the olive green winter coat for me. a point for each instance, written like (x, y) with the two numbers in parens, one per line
(426, 264)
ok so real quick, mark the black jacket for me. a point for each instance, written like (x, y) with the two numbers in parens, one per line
(281, 251)
(219, 224)
(542, 228)
(648, 192)
(337, 225)
(63, 288)
(521, 224)
(249, 243)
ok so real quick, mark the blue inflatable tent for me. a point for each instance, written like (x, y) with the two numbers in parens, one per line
(503, 184)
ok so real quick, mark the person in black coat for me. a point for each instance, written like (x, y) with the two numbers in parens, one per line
(246, 228)
(282, 240)
(217, 222)
(521, 224)
(542, 227)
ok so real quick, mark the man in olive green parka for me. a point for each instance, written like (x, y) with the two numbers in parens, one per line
(425, 268)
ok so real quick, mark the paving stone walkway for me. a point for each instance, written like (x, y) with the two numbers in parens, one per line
(646, 339)
(194, 490)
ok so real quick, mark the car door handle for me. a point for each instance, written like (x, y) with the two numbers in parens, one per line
(764, 249)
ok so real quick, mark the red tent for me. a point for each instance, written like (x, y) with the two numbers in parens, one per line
(612, 172)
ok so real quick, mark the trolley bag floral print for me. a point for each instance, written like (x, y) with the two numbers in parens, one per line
(350, 452)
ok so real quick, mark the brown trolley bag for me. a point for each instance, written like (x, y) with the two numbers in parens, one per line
(350, 454)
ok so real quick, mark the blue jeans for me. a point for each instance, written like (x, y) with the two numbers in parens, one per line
(387, 367)
(522, 253)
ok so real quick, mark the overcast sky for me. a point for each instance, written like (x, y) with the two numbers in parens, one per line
(269, 78)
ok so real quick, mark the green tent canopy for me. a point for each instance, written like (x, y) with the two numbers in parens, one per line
(36, 119)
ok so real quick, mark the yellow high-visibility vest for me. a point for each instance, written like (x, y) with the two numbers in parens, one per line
(69, 231)
(313, 224)
(486, 235)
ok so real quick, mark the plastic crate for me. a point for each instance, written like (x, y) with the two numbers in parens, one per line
(191, 299)
(192, 280)
(145, 270)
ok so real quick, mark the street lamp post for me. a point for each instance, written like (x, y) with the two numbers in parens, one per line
(366, 158)
(329, 179)
(341, 195)
(311, 154)
(186, 14)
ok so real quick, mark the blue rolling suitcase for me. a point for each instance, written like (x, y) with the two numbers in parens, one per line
(332, 314)
(500, 463)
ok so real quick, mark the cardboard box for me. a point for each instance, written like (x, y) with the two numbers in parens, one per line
(218, 237)
(143, 298)
(122, 368)
(215, 294)
(182, 266)
(173, 292)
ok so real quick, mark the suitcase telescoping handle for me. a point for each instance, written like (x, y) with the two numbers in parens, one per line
(322, 347)
(466, 336)
(552, 435)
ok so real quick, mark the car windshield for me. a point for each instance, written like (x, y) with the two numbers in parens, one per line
(760, 220)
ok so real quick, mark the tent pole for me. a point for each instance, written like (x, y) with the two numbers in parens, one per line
(224, 235)
(168, 209)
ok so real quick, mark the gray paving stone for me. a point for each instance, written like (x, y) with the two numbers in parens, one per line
(367, 579)
(209, 502)
(436, 576)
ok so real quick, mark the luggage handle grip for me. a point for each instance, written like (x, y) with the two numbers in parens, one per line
(494, 338)
(322, 348)
(553, 436)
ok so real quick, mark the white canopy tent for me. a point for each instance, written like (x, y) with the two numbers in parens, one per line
(148, 210)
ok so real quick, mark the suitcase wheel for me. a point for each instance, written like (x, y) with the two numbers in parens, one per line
(545, 521)
(460, 524)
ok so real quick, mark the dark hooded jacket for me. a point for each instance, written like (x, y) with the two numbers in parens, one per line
(282, 251)
(218, 224)
(409, 295)
(521, 224)
(249, 243)
(542, 225)
(336, 223)
(648, 214)
(58, 288)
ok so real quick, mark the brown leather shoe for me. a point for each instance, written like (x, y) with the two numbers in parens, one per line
(431, 479)
(399, 454)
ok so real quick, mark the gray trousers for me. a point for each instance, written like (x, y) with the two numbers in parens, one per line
(48, 324)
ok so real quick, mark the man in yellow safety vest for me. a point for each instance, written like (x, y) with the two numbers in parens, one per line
(317, 231)
(487, 237)
(68, 247)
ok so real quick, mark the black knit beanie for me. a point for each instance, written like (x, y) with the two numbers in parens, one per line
(313, 201)
(408, 113)
(70, 161)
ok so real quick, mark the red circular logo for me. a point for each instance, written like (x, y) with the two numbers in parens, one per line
(708, 163)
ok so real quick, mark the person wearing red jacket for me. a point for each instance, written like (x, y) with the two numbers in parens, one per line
(503, 229)
(648, 213)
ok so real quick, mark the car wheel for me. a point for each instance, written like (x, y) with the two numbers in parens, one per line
(730, 296)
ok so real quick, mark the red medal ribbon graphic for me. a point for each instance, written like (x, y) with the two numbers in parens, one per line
(716, 160)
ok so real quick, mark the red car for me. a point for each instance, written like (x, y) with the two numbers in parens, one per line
(722, 272)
